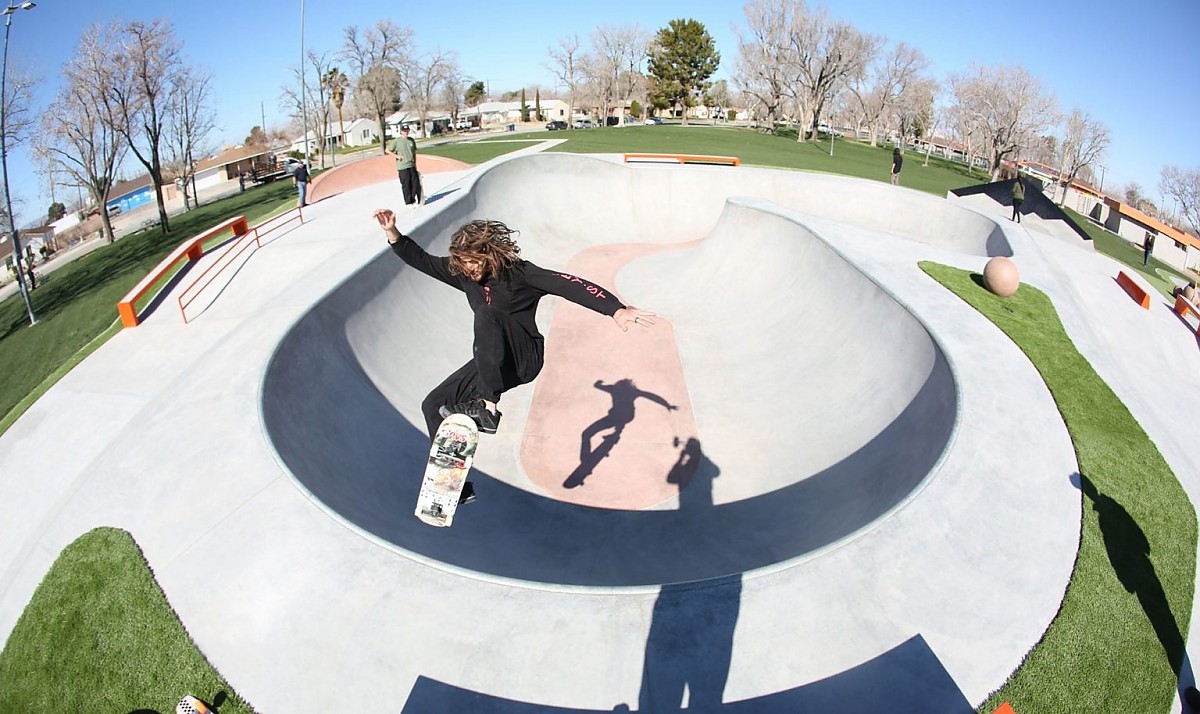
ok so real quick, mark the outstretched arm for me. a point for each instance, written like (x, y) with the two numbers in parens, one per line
(411, 253)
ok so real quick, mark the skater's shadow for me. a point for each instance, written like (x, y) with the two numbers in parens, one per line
(690, 644)
(1129, 552)
(624, 394)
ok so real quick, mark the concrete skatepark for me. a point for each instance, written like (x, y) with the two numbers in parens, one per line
(853, 454)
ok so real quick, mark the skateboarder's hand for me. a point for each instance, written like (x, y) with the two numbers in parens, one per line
(387, 219)
(627, 316)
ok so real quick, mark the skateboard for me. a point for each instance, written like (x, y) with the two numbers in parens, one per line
(450, 459)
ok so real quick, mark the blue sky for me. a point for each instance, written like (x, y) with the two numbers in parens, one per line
(1134, 66)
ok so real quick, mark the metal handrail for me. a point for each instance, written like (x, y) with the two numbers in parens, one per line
(251, 237)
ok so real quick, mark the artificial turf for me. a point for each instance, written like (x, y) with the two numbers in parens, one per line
(99, 636)
(1117, 642)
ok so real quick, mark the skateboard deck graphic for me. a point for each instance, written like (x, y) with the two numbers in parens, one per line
(450, 459)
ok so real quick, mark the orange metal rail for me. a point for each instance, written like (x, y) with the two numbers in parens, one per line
(240, 245)
(685, 158)
(190, 249)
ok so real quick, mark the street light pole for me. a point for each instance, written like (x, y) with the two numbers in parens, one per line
(12, 221)
(303, 93)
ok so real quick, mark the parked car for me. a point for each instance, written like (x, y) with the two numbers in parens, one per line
(555, 125)
(290, 164)
(653, 120)
(584, 124)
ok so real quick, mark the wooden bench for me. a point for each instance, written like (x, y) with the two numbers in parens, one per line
(190, 249)
(685, 158)
(1135, 291)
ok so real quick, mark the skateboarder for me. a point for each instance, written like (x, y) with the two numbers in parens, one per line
(503, 291)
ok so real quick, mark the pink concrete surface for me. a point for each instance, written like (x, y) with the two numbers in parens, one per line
(376, 169)
(611, 415)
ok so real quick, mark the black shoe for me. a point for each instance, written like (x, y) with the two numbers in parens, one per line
(487, 420)
(468, 494)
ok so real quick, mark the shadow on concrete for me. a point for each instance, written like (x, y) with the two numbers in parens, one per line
(908, 678)
(1036, 202)
(353, 452)
(624, 394)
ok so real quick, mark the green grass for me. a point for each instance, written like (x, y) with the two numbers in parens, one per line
(478, 152)
(78, 301)
(754, 148)
(850, 158)
(1130, 255)
(99, 636)
(1118, 640)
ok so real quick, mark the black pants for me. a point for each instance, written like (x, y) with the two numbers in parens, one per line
(504, 357)
(1016, 215)
(411, 184)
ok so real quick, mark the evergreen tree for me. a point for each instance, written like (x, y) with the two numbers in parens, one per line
(682, 58)
(475, 94)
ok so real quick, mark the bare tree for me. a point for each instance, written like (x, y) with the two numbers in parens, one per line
(762, 67)
(823, 54)
(883, 85)
(375, 56)
(1085, 143)
(311, 101)
(911, 114)
(567, 67)
(190, 119)
(452, 95)
(146, 58)
(422, 79)
(1183, 186)
(617, 54)
(81, 130)
(718, 98)
(18, 102)
(1006, 106)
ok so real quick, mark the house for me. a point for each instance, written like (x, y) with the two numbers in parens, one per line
(352, 134)
(227, 165)
(1171, 245)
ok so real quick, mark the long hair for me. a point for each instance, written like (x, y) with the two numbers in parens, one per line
(489, 242)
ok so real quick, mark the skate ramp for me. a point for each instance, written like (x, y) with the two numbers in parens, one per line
(821, 404)
(1038, 211)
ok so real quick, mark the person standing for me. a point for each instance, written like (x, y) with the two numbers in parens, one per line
(405, 149)
(300, 176)
(1018, 197)
(1147, 248)
(897, 162)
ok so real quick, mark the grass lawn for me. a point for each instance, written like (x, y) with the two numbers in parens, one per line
(78, 301)
(478, 152)
(850, 158)
(99, 636)
(1117, 643)
(1130, 255)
